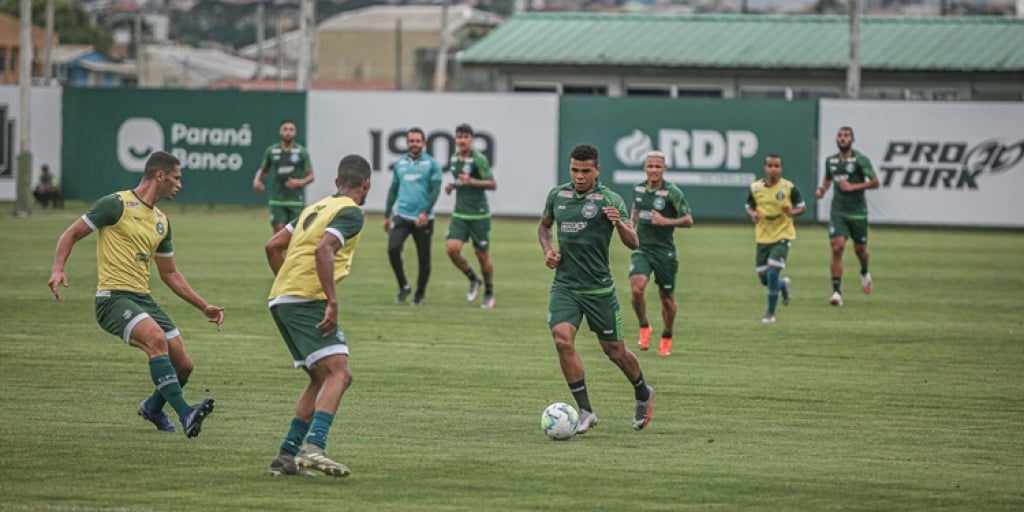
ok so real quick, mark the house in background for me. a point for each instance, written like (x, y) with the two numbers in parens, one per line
(84, 66)
(10, 47)
(185, 67)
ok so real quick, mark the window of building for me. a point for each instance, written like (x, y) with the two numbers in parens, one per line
(766, 92)
(591, 90)
(534, 87)
(649, 90)
(689, 92)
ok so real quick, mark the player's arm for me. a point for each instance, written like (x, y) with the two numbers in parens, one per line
(634, 216)
(796, 199)
(324, 256)
(826, 183)
(257, 181)
(276, 247)
(751, 207)
(871, 181)
(436, 177)
(75, 232)
(389, 204)
(486, 179)
(307, 178)
(176, 281)
(547, 219)
(615, 211)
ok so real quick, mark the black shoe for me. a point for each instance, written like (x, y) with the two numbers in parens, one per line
(193, 419)
(418, 300)
(403, 293)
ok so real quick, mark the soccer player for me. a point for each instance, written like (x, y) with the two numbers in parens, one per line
(771, 205)
(852, 174)
(585, 214)
(658, 209)
(133, 233)
(472, 216)
(290, 171)
(415, 187)
(309, 258)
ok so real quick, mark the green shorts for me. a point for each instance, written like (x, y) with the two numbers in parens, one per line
(772, 255)
(479, 230)
(665, 269)
(297, 323)
(854, 228)
(284, 214)
(118, 312)
(602, 311)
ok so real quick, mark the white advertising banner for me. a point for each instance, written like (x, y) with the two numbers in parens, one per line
(956, 164)
(518, 134)
(45, 137)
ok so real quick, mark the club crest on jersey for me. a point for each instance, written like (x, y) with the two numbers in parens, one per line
(589, 210)
(780, 195)
(160, 228)
(466, 168)
(850, 167)
(659, 203)
(295, 158)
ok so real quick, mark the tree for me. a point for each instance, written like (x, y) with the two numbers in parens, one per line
(70, 22)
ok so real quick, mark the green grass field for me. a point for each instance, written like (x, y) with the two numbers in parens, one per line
(911, 398)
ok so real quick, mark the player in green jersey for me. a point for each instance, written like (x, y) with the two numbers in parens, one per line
(658, 209)
(852, 174)
(585, 214)
(309, 258)
(771, 206)
(471, 218)
(290, 170)
(133, 233)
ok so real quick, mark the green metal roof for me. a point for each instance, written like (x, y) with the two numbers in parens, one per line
(752, 41)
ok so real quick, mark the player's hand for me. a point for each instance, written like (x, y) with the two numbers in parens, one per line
(464, 178)
(552, 258)
(258, 187)
(846, 186)
(819, 192)
(293, 183)
(658, 219)
(612, 213)
(329, 325)
(57, 278)
(755, 217)
(788, 210)
(448, 187)
(387, 224)
(422, 220)
(214, 314)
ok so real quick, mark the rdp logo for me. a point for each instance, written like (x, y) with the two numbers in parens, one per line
(693, 149)
(138, 138)
(440, 144)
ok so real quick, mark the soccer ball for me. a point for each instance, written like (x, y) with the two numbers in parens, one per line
(559, 421)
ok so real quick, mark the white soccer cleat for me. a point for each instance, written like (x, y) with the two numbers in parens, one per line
(587, 422)
(865, 283)
(836, 299)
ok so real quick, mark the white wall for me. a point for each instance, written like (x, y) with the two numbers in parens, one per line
(46, 133)
(524, 129)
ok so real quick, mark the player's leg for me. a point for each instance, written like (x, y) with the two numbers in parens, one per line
(665, 270)
(401, 228)
(859, 235)
(639, 276)
(838, 232)
(604, 316)
(284, 462)
(421, 236)
(278, 218)
(777, 255)
(454, 240)
(480, 233)
(564, 316)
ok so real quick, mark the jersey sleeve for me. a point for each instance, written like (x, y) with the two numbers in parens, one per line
(166, 247)
(436, 173)
(679, 202)
(828, 169)
(795, 197)
(306, 158)
(105, 212)
(266, 158)
(751, 202)
(346, 224)
(613, 199)
(866, 167)
(483, 167)
(549, 204)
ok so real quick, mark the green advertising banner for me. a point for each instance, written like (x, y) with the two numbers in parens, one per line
(219, 136)
(714, 148)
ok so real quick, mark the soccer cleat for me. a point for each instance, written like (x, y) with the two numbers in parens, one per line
(836, 299)
(474, 289)
(645, 338)
(192, 421)
(284, 464)
(587, 421)
(768, 319)
(313, 457)
(865, 283)
(644, 411)
(158, 418)
(786, 283)
(665, 347)
(488, 302)
(418, 300)
(403, 293)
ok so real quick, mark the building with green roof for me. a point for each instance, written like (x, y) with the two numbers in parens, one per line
(761, 56)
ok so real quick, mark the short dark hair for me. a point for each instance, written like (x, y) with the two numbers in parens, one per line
(416, 129)
(464, 128)
(353, 170)
(772, 155)
(287, 121)
(584, 152)
(847, 128)
(160, 161)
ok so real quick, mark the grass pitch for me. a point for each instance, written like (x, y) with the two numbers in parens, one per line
(911, 398)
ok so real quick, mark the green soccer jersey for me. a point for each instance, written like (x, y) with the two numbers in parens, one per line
(584, 233)
(283, 164)
(855, 170)
(470, 202)
(669, 202)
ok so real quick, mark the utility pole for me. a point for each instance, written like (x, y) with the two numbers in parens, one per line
(48, 52)
(280, 51)
(307, 25)
(398, 53)
(441, 66)
(853, 67)
(139, 50)
(23, 191)
(260, 37)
